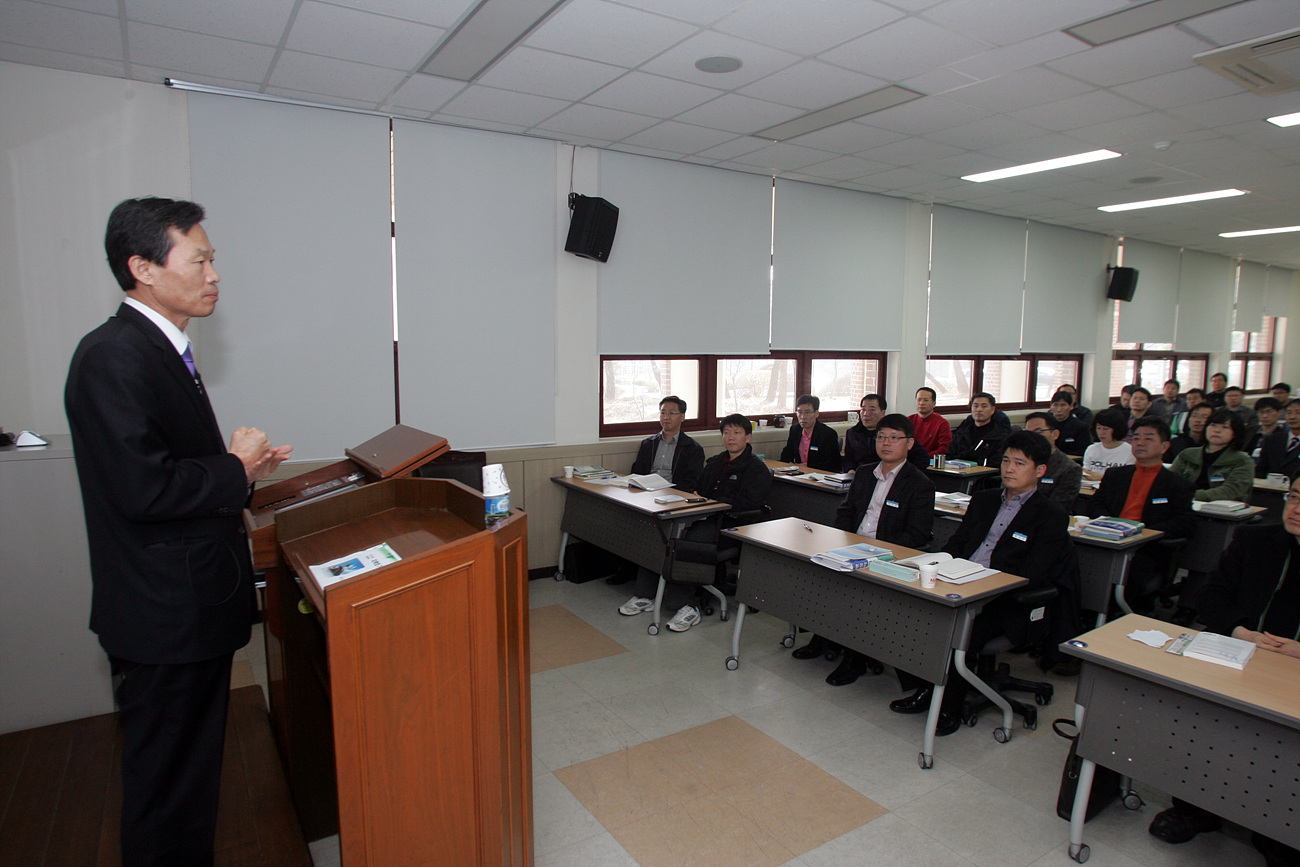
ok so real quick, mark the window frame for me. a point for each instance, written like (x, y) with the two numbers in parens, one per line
(1256, 356)
(1140, 355)
(1031, 387)
(707, 386)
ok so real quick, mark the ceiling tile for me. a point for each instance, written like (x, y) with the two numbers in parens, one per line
(308, 96)
(1031, 150)
(1015, 20)
(938, 81)
(440, 13)
(984, 133)
(1174, 89)
(744, 144)
(504, 106)
(679, 137)
(848, 137)
(739, 114)
(1020, 55)
(262, 22)
(1139, 131)
(559, 75)
(758, 60)
(811, 84)
(646, 151)
(426, 92)
(781, 157)
(603, 123)
(845, 168)
(809, 26)
(1141, 56)
(1023, 88)
(312, 74)
(891, 52)
(1231, 109)
(922, 116)
(1086, 109)
(909, 152)
(1246, 21)
(652, 94)
(101, 7)
(38, 25)
(701, 12)
(364, 37)
(182, 52)
(609, 33)
(61, 60)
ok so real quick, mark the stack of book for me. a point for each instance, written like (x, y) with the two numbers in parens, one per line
(839, 481)
(589, 472)
(1221, 507)
(1112, 528)
(852, 557)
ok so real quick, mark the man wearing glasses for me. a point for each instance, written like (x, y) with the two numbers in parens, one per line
(810, 442)
(671, 453)
(1063, 478)
(1254, 595)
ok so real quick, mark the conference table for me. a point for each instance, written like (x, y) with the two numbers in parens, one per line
(963, 479)
(628, 522)
(914, 629)
(1219, 738)
(801, 495)
(1268, 495)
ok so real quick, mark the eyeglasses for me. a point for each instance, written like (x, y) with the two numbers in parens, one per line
(668, 412)
(1292, 498)
(881, 439)
(803, 412)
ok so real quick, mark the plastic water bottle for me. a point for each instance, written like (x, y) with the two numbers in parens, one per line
(496, 495)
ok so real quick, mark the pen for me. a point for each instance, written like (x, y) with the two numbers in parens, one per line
(806, 527)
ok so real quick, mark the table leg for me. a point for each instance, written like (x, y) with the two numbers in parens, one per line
(564, 543)
(1078, 849)
(926, 758)
(1002, 734)
(733, 661)
(1121, 601)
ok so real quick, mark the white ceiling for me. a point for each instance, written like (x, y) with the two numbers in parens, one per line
(1003, 86)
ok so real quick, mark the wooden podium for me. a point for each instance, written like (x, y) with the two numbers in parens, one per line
(423, 666)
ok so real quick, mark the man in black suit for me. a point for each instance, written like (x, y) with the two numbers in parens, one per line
(811, 442)
(162, 493)
(1013, 529)
(671, 453)
(890, 500)
(1145, 491)
(1280, 452)
(979, 437)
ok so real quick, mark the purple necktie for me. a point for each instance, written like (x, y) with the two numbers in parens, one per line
(188, 358)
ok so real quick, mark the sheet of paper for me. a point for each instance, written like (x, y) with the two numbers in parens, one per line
(1150, 637)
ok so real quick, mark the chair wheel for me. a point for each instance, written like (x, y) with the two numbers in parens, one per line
(875, 666)
(724, 616)
(653, 629)
(971, 721)
(1001, 735)
(1031, 718)
(1132, 801)
(559, 576)
(1080, 853)
(732, 663)
(1042, 699)
(926, 762)
(788, 641)
(707, 610)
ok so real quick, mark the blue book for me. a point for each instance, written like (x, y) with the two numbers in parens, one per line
(852, 557)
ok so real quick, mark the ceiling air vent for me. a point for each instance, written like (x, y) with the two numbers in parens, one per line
(1269, 65)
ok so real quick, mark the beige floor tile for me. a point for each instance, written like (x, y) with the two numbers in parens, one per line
(560, 638)
(632, 784)
(706, 832)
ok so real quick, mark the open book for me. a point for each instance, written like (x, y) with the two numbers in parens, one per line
(648, 482)
(954, 570)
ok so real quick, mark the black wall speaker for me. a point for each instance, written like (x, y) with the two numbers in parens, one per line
(1123, 282)
(591, 229)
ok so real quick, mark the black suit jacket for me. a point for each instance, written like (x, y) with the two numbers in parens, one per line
(1274, 457)
(823, 451)
(1169, 502)
(169, 560)
(1043, 524)
(907, 517)
(1240, 590)
(688, 460)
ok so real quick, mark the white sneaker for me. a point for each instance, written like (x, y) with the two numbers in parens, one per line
(636, 605)
(686, 617)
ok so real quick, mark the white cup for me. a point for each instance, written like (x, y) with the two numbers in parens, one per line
(762, 422)
(929, 575)
(1278, 479)
(568, 472)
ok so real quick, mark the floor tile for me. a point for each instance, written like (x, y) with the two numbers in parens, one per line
(559, 819)
(662, 709)
(885, 842)
(559, 638)
(579, 733)
(602, 850)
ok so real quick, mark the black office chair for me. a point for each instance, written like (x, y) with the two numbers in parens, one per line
(1034, 605)
(704, 563)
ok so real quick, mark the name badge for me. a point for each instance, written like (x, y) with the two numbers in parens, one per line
(891, 503)
(733, 477)
(1020, 537)
(1047, 481)
(812, 448)
(1160, 501)
(1216, 478)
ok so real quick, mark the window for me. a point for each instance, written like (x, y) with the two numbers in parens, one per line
(1150, 365)
(1017, 382)
(1251, 365)
(714, 386)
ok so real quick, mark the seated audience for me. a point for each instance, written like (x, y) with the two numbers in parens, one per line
(932, 430)
(1061, 481)
(1109, 450)
(1147, 492)
(671, 453)
(1219, 470)
(1194, 398)
(1081, 412)
(1014, 529)
(860, 440)
(892, 501)
(1125, 401)
(1281, 392)
(734, 476)
(1193, 435)
(1169, 404)
(1269, 412)
(1139, 406)
(1216, 396)
(811, 442)
(1235, 397)
(1280, 452)
(978, 438)
(1254, 595)
(1075, 436)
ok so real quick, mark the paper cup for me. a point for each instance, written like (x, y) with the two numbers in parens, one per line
(929, 575)
(568, 472)
(494, 481)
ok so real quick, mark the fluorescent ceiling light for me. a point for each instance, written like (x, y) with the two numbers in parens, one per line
(1173, 200)
(858, 106)
(487, 32)
(1042, 166)
(1285, 119)
(1141, 17)
(1259, 232)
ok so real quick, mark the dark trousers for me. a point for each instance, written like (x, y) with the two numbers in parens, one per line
(675, 595)
(173, 721)
(987, 626)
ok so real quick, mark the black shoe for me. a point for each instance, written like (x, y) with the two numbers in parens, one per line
(948, 723)
(917, 702)
(813, 649)
(1178, 825)
(846, 672)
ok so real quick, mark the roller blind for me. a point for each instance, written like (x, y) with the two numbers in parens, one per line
(837, 269)
(1277, 301)
(1150, 316)
(689, 268)
(1065, 284)
(977, 283)
(1252, 286)
(476, 247)
(1205, 290)
(298, 211)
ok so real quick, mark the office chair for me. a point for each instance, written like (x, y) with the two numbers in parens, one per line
(704, 563)
(1034, 605)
